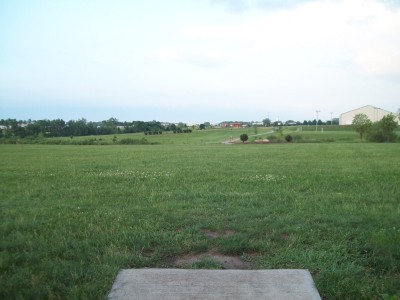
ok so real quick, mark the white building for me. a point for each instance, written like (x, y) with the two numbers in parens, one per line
(375, 114)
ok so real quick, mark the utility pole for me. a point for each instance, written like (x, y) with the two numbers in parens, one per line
(316, 123)
(331, 119)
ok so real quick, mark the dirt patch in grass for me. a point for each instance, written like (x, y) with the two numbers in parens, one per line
(285, 235)
(229, 232)
(211, 234)
(212, 260)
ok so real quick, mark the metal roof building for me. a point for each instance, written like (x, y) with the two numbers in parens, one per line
(375, 114)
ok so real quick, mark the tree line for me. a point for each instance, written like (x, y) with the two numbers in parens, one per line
(81, 127)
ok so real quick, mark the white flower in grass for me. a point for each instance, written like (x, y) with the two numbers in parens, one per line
(263, 178)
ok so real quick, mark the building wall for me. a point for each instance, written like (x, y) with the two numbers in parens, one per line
(237, 125)
(375, 114)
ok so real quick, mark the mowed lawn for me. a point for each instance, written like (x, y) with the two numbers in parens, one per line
(72, 216)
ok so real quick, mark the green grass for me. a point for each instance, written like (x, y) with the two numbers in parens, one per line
(72, 216)
(197, 137)
(210, 136)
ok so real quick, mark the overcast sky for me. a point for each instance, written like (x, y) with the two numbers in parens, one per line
(197, 60)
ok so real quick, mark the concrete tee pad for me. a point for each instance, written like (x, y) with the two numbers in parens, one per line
(213, 284)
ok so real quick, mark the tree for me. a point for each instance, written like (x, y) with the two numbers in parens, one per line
(361, 124)
(290, 123)
(56, 127)
(202, 127)
(267, 122)
(173, 127)
(388, 124)
(244, 137)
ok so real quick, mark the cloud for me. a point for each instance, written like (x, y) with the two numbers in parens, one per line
(267, 56)
(328, 55)
(362, 33)
(244, 5)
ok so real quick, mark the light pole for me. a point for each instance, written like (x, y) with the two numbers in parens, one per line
(331, 119)
(316, 123)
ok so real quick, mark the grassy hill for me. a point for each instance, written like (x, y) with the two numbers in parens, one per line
(216, 136)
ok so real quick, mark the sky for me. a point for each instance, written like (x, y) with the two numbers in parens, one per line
(197, 61)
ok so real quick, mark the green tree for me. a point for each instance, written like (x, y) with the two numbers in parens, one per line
(202, 126)
(388, 124)
(244, 137)
(267, 122)
(361, 124)
(56, 127)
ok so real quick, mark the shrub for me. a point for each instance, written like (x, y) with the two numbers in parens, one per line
(388, 125)
(383, 131)
(375, 134)
(244, 137)
(288, 138)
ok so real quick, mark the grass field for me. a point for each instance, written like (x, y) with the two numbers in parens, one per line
(216, 136)
(72, 216)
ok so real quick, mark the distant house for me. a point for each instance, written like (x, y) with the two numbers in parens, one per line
(236, 124)
(375, 114)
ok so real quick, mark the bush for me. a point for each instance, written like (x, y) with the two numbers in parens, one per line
(244, 137)
(376, 134)
(288, 138)
(383, 131)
